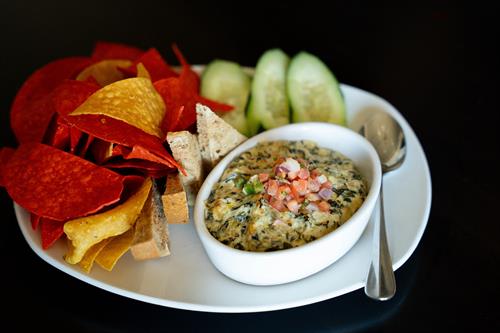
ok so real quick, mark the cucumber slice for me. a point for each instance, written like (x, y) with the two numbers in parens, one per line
(270, 101)
(314, 91)
(253, 124)
(226, 82)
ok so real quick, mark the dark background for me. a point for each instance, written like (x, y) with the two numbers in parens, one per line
(412, 55)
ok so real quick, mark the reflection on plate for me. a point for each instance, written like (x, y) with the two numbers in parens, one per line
(187, 279)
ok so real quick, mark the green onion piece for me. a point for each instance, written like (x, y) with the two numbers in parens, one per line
(248, 188)
(239, 182)
(258, 187)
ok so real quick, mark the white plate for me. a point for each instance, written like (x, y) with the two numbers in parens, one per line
(187, 279)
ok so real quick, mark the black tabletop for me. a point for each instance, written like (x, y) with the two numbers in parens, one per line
(413, 56)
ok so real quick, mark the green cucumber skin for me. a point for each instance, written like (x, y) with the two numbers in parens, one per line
(309, 76)
(226, 82)
(253, 124)
(270, 101)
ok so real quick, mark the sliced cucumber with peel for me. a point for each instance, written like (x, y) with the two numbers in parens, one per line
(226, 82)
(253, 124)
(270, 105)
(314, 91)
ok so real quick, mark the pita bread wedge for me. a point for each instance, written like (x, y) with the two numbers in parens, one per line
(186, 151)
(174, 201)
(151, 236)
(215, 136)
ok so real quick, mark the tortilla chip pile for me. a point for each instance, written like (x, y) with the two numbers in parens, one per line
(91, 134)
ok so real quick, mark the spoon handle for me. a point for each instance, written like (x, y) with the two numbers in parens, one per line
(380, 283)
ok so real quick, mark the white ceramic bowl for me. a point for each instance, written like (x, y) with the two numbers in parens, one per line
(277, 267)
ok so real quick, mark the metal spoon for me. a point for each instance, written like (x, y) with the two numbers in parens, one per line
(387, 137)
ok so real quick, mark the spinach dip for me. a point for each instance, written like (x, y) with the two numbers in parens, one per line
(282, 194)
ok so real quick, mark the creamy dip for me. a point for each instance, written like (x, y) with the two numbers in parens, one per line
(283, 194)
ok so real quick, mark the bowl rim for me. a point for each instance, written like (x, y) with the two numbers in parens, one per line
(211, 179)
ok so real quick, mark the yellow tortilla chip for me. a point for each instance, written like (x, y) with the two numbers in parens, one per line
(105, 72)
(142, 71)
(109, 256)
(134, 101)
(87, 231)
(89, 257)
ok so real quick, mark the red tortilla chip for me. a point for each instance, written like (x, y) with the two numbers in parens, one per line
(213, 105)
(191, 80)
(180, 95)
(107, 50)
(131, 184)
(57, 185)
(154, 63)
(75, 135)
(175, 99)
(57, 134)
(102, 151)
(35, 221)
(135, 164)
(88, 139)
(70, 94)
(119, 150)
(32, 109)
(139, 152)
(156, 173)
(145, 168)
(117, 131)
(51, 231)
(5, 154)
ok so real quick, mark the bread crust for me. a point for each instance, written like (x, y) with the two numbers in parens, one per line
(151, 237)
(186, 151)
(175, 201)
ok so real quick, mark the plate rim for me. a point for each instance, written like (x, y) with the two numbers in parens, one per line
(249, 308)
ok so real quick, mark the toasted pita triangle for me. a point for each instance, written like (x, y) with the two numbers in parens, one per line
(215, 136)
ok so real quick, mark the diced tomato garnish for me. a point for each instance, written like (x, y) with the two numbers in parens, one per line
(272, 187)
(263, 177)
(324, 206)
(327, 184)
(313, 197)
(293, 206)
(277, 204)
(283, 191)
(303, 173)
(301, 186)
(295, 193)
(313, 185)
(315, 173)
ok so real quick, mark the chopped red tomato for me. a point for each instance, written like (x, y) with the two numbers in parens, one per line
(303, 173)
(272, 188)
(263, 177)
(293, 206)
(302, 184)
(277, 204)
(324, 206)
(326, 184)
(313, 185)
